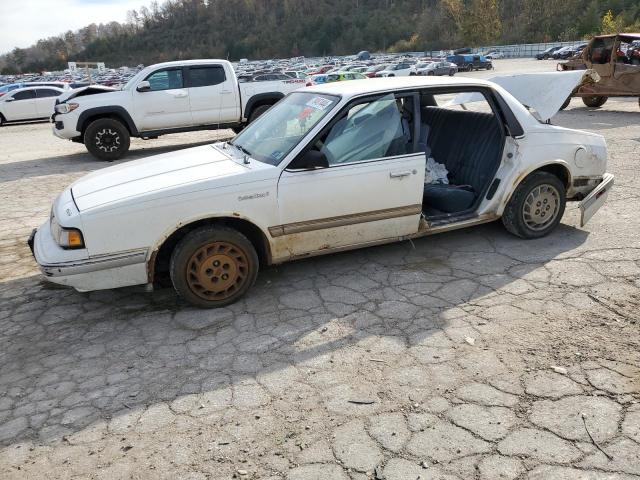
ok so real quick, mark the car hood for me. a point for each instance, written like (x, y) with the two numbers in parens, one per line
(85, 91)
(153, 175)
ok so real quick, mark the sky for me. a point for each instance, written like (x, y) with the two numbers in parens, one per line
(23, 22)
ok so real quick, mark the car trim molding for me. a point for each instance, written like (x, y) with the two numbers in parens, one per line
(93, 264)
(344, 220)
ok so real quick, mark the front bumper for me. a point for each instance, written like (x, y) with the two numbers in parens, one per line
(100, 272)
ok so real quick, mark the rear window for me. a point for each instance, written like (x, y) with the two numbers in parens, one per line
(206, 76)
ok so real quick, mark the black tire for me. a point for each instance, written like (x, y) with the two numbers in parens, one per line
(256, 112)
(452, 72)
(412, 74)
(525, 218)
(595, 101)
(566, 103)
(391, 75)
(430, 73)
(201, 260)
(2, 120)
(107, 139)
(237, 129)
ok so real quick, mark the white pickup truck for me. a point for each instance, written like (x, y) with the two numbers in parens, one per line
(164, 98)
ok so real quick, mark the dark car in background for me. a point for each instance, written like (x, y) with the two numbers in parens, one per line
(468, 63)
(548, 53)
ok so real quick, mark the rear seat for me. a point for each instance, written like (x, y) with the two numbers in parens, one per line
(470, 145)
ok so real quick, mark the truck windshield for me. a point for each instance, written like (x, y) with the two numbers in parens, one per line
(275, 133)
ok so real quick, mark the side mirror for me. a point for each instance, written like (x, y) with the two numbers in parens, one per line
(310, 161)
(143, 86)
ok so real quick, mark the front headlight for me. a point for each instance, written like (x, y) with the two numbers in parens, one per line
(68, 238)
(66, 107)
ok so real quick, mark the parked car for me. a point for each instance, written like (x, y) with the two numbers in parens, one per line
(30, 103)
(546, 54)
(443, 67)
(493, 54)
(372, 71)
(317, 79)
(166, 98)
(568, 52)
(342, 76)
(633, 53)
(402, 69)
(468, 63)
(617, 76)
(209, 216)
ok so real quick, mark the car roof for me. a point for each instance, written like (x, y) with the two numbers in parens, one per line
(178, 63)
(374, 85)
(36, 87)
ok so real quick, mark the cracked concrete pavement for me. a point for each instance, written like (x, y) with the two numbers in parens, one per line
(433, 360)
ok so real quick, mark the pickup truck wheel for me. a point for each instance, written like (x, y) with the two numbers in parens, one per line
(237, 130)
(107, 139)
(536, 207)
(213, 266)
(595, 101)
(452, 72)
(258, 111)
(430, 73)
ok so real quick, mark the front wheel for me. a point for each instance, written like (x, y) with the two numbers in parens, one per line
(213, 266)
(107, 139)
(536, 207)
(430, 74)
(595, 101)
(452, 72)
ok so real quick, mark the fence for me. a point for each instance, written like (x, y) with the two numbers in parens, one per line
(527, 49)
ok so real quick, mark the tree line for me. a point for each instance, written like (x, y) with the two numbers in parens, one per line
(183, 29)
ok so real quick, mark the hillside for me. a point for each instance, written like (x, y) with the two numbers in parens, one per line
(282, 28)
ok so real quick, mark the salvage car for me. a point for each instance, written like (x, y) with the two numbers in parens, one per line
(31, 103)
(618, 75)
(329, 168)
(439, 67)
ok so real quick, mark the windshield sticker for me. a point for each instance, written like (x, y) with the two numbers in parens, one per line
(305, 113)
(276, 155)
(319, 103)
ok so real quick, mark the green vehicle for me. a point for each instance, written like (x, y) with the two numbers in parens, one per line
(342, 76)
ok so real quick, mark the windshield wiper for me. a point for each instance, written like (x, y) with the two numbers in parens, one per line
(242, 149)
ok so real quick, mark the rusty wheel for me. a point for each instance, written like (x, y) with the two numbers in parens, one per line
(213, 266)
(217, 270)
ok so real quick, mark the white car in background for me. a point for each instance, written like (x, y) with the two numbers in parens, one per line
(494, 54)
(329, 168)
(402, 69)
(30, 103)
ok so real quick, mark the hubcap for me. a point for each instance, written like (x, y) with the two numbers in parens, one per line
(108, 140)
(217, 270)
(541, 207)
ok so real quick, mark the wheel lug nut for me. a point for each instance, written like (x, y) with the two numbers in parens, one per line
(225, 276)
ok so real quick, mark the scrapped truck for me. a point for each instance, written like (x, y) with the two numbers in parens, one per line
(616, 60)
(164, 98)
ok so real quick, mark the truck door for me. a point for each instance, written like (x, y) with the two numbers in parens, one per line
(165, 104)
(209, 94)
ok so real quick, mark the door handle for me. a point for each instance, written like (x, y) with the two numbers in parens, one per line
(402, 174)
(180, 95)
(225, 92)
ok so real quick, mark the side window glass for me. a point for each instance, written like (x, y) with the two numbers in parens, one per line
(165, 79)
(468, 101)
(24, 95)
(46, 92)
(206, 76)
(370, 130)
(600, 52)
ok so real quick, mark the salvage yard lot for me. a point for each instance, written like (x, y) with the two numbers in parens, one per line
(470, 354)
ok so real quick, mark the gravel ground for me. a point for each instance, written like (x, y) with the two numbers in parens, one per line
(468, 355)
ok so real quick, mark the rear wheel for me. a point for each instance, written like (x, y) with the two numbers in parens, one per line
(256, 112)
(595, 101)
(430, 73)
(452, 72)
(107, 139)
(213, 266)
(536, 207)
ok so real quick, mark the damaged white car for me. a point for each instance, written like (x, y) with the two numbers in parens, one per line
(328, 168)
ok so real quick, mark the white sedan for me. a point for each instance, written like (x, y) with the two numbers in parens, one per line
(401, 69)
(329, 168)
(29, 103)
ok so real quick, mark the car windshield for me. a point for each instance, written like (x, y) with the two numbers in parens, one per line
(273, 135)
